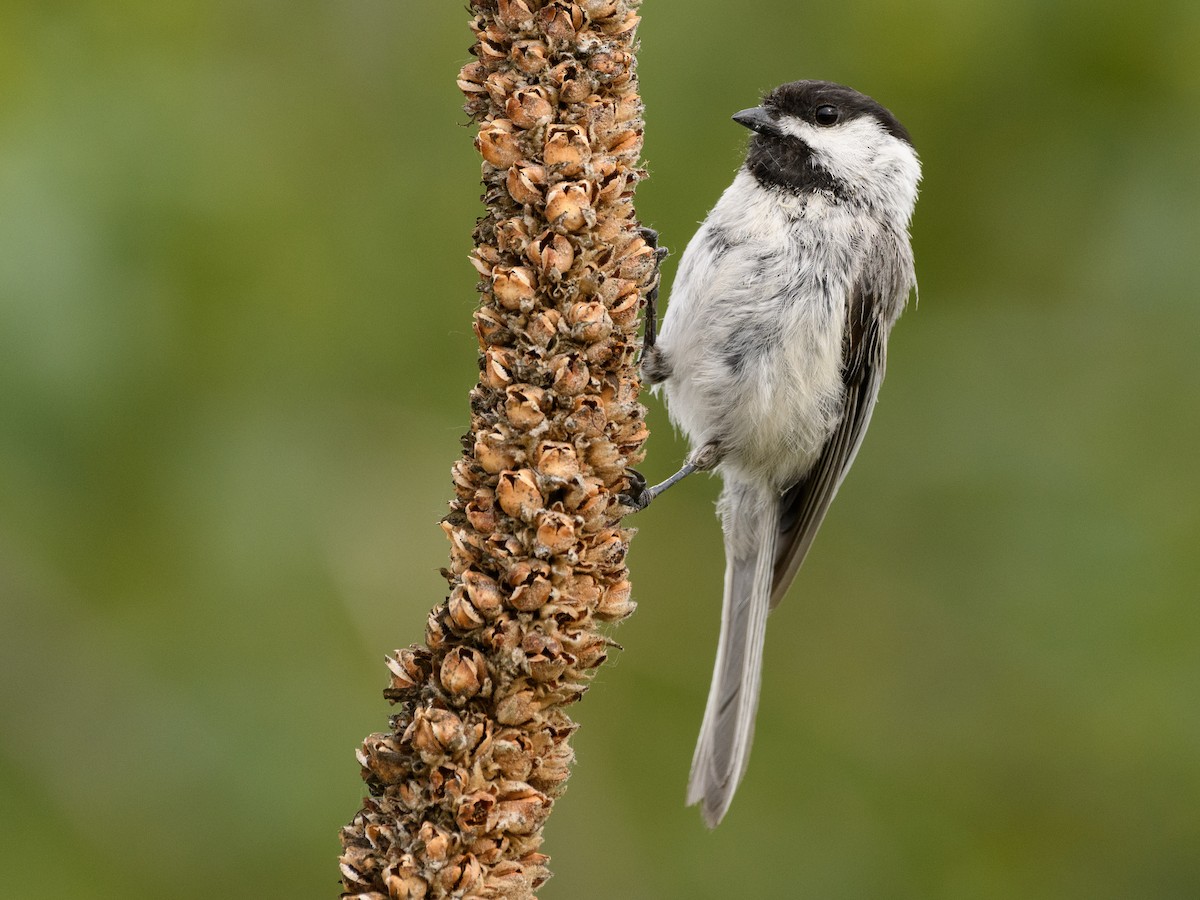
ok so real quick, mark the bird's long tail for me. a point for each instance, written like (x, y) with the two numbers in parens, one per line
(750, 519)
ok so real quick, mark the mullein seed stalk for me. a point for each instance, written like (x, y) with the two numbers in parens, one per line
(478, 750)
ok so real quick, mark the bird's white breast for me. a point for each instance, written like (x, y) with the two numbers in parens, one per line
(753, 333)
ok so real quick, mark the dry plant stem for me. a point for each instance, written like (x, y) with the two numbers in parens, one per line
(479, 745)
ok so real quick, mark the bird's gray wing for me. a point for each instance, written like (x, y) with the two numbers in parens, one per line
(803, 506)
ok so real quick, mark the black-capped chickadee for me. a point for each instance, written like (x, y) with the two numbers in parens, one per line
(771, 355)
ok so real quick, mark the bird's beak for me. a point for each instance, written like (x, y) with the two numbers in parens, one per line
(758, 119)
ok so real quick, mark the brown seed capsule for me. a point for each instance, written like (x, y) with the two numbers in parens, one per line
(574, 82)
(498, 145)
(589, 321)
(543, 327)
(557, 460)
(497, 367)
(404, 882)
(513, 287)
(517, 709)
(567, 150)
(518, 494)
(499, 85)
(608, 64)
(512, 235)
(494, 453)
(611, 185)
(485, 594)
(555, 532)
(435, 842)
(628, 142)
(409, 666)
(461, 876)
(462, 612)
(523, 404)
(599, 10)
(531, 595)
(630, 434)
(547, 661)
(571, 375)
(383, 759)
(551, 253)
(474, 810)
(587, 416)
(560, 20)
(525, 182)
(520, 810)
(606, 555)
(604, 457)
(615, 26)
(435, 630)
(615, 603)
(622, 298)
(471, 78)
(569, 205)
(490, 328)
(490, 53)
(529, 107)
(464, 674)
(515, 14)
(529, 56)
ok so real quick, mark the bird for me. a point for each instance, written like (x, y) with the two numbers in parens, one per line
(770, 359)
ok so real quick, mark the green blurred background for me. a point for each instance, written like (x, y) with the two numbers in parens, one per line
(234, 355)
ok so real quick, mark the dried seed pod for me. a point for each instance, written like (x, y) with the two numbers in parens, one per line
(529, 107)
(525, 182)
(615, 603)
(532, 594)
(515, 14)
(497, 143)
(499, 85)
(463, 614)
(512, 236)
(403, 881)
(435, 841)
(497, 367)
(560, 20)
(545, 656)
(523, 404)
(569, 205)
(570, 373)
(410, 668)
(471, 78)
(557, 460)
(513, 286)
(587, 416)
(491, 329)
(518, 494)
(460, 876)
(551, 253)
(530, 56)
(517, 709)
(494, 453)
(555, 532)
(575, 82)
(543, 327)
(464, 674)
(566, 150)
(589, 321)
(485, 594)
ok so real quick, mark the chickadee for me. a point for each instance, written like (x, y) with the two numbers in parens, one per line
(771, 355)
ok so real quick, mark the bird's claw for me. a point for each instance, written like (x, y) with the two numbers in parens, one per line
(636, 496)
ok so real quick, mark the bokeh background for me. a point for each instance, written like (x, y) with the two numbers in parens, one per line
(234, 355)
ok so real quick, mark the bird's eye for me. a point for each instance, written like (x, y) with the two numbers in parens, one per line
(827, 115)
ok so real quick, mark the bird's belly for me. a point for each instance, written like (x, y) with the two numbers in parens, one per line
(768, 395)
